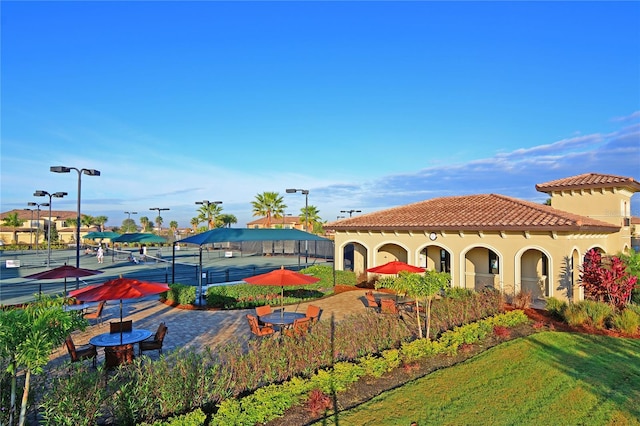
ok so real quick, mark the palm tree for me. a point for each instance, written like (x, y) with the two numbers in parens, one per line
(194, 224)
(270, 205)
(100, 221)
(174, 226)
(87, 220)
(227, 219)
(14, 221)
(159, 221)
(312, 217)
(209, 212)
(144, 221)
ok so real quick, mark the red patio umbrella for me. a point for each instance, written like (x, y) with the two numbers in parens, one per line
(65, 271)
(282, 277)
(119, 289)
(395, 267)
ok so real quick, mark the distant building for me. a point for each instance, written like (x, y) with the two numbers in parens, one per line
(285, 222)
(35, 228)
(497, 241)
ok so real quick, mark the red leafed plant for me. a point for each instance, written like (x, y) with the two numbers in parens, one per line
(318, 402)
(501, 332)
(606, 280)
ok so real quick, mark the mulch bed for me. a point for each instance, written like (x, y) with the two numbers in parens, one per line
(367, 388)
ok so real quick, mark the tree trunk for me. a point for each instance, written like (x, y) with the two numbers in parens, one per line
(428, 316)
(418, 317)
(14, 386)
(25, 397)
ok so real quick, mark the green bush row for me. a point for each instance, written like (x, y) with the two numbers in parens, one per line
(272, 401)
(182, 381)
(243, 296)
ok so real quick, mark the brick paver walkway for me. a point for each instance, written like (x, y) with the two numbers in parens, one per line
(198, 329)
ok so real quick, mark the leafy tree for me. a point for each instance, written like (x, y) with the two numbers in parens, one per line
(606, 279)
(209, 213)
(14, 221)
(312, 217)
(27, 338)
(129, 225)
(226, 220)
(194, 223)
(100, 221)
(418, 286)
(269, 205)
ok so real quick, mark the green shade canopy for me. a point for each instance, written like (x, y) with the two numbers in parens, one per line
(224, 235)
(100, 235)
(139, 238)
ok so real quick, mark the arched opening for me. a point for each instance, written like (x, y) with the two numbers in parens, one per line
(435, 258)
(354, 257)
(390, 252)
(534, 274)
(482, 269)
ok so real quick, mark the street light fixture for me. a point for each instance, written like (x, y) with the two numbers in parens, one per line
(41, 193)
(305, 192)
(38, 228)
(89, 172)
(129, 214)
(340, 217)
(207, 203)
(159, 210)
(351, 212)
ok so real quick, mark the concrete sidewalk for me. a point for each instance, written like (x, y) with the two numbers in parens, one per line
(200, 329)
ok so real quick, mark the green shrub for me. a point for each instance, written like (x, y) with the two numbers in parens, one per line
(374, 366)
(181, 294)
(325, 273)
(556, 307)
(194, 418)
(627, 321)
(575, 315)
(598, 312)
(458, 292)
(75, 398)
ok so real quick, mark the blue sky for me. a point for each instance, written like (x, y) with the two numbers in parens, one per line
(368, 105)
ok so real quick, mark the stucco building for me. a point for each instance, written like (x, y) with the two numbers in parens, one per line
(35, 226)
(495, 240)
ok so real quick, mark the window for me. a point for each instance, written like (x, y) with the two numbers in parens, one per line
(445, 261)
(494, 266)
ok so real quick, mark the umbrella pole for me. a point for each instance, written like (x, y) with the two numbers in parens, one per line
(121, 321)
(281, 302)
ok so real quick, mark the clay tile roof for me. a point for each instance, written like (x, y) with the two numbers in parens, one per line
(473, 212)
(589, 181)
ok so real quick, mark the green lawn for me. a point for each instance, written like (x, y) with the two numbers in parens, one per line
(548, 378)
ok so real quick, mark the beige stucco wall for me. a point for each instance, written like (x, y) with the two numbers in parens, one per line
(519, 254)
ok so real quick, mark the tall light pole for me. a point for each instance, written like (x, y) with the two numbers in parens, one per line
(159, 210)
(207, 203)
(306, 219)
(40, 193)
(38, 228)
(30, 230)
(129, 214)
(351, 212)
(340, 217)
(89, 172)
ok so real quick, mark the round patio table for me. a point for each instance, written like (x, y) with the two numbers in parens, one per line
(118, 347)
(79, 307)
(281, 318)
